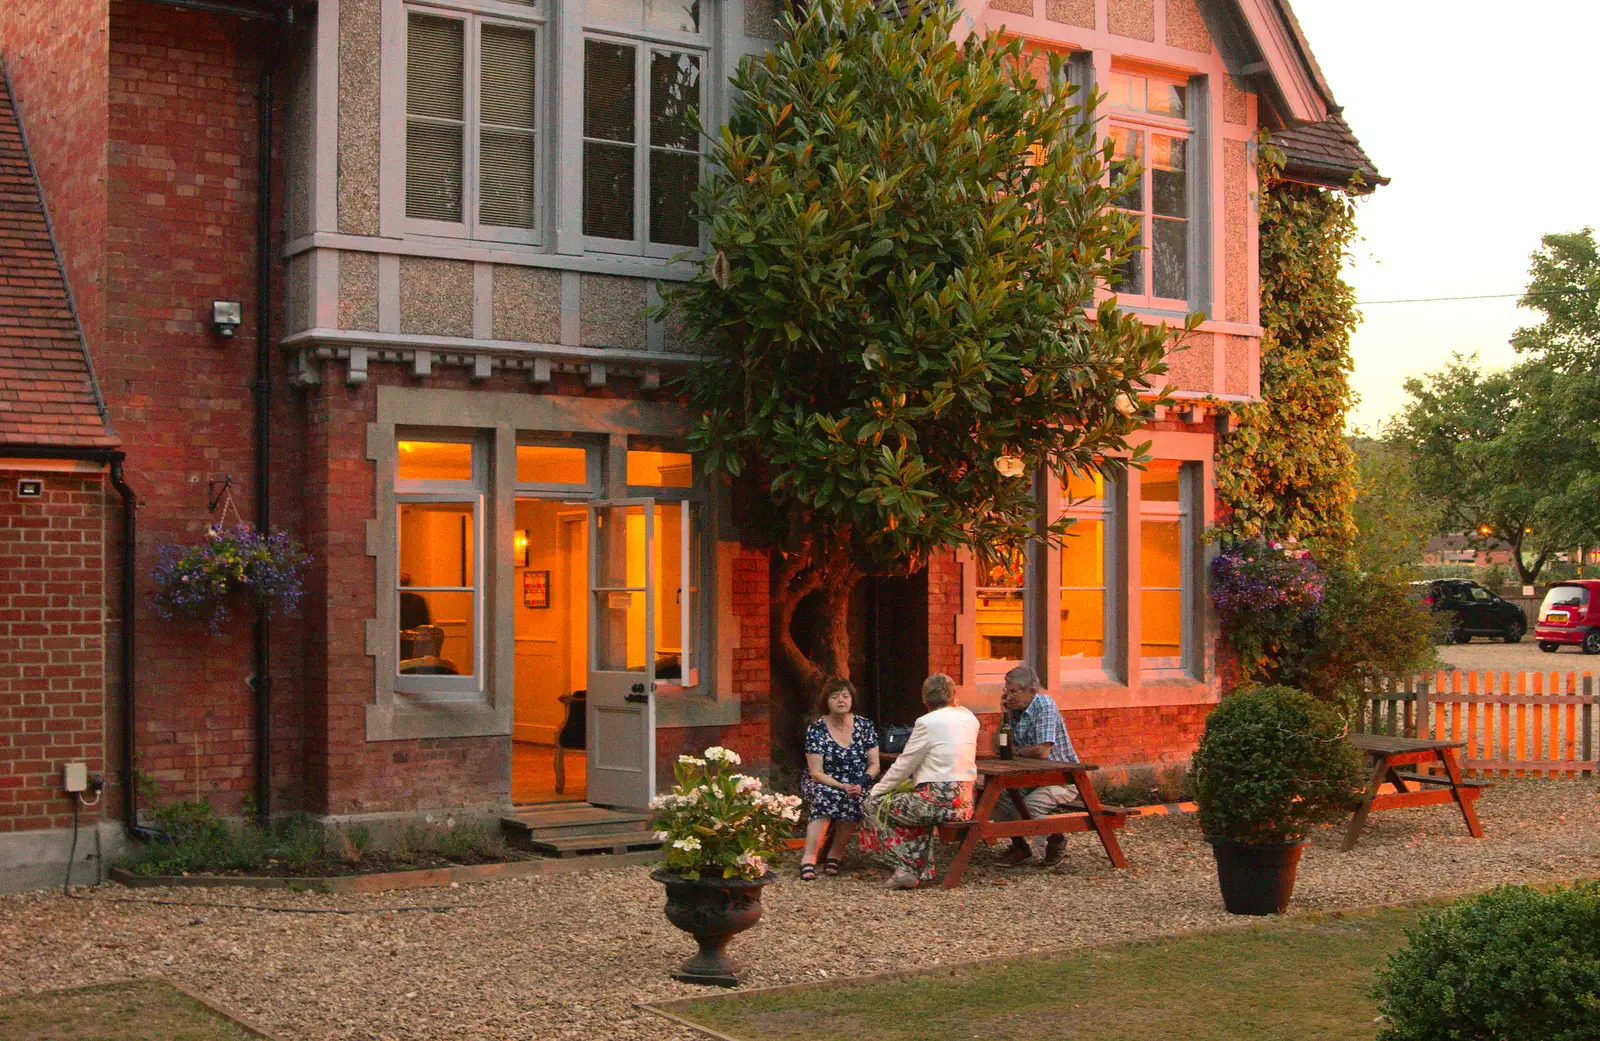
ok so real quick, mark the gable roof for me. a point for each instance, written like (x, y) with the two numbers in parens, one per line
(48, 394)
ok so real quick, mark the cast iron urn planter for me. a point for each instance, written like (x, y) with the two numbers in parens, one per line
(1256, 880)
(713, 911)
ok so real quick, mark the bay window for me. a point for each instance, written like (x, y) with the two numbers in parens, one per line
(1167, 538)
(472, 125)
(1150, 133)
(439, 501)
(1086, 561)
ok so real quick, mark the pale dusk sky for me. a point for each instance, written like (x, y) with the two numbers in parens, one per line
(1476, 111)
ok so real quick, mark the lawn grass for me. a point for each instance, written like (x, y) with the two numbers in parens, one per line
(1303, 979)
(143, 1010)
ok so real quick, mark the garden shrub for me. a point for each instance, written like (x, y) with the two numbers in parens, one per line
(1273, 764)
(1513, 964)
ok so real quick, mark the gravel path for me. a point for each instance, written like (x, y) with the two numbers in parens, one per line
(566, 956)
(1495, 656)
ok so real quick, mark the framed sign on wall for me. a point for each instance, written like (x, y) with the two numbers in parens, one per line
(536, 589)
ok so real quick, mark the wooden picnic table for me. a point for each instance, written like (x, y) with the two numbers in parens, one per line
(1412, 788)
(1013, 775)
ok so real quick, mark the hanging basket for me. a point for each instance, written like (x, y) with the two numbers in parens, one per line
(230, 565)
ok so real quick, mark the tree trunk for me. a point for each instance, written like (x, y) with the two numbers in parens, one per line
(1526, 573)
(832, 577)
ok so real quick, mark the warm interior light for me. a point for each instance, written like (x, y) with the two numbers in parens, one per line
(519, 545)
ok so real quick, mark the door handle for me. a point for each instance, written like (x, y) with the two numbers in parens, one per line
(638, 688)
(643, 699)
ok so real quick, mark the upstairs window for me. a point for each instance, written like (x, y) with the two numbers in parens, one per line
(472, 126)
(643, 64)
(1150, 132)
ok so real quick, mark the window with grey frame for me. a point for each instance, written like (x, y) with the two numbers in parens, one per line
(644, 65)
(473, 123)
(1168, 563)
(1156, 125)
(439, 483)
(1088, 555)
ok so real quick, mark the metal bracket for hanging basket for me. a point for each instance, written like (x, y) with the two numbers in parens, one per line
(214, 494)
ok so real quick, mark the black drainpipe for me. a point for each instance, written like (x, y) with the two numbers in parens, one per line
(263, 433)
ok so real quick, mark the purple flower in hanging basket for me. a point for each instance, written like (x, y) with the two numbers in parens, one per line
(204, 579)
(1256, 578)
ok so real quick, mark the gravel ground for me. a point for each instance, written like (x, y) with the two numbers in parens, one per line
(566, 956)
(1494, 655)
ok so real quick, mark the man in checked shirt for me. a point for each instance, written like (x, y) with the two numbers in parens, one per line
(1037, 732)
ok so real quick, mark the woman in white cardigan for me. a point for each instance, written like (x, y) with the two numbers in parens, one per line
(940, 761)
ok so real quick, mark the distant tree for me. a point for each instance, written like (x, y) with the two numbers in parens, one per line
(906, 238)
(1564, 285)
(1394, 517)
(1503, 456)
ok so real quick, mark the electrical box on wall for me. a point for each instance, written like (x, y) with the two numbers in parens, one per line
(30, 488)
(75, 777)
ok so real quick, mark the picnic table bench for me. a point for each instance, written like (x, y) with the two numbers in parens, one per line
(1413, 788)
(1011, 776)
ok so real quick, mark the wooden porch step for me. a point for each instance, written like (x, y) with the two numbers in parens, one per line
(579, 820)
(631, 841)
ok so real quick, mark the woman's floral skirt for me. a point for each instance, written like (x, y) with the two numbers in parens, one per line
(899, 826)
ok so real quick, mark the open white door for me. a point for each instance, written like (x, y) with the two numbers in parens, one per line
(622, 654)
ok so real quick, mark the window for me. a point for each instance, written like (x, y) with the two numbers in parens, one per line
(1149, 133)
(667, 476)
(652, 468)
(472, 126)
(439, 566)
(999, 622)
(641, 155)
(562, 467)
(1085, 561)
(1166, 538)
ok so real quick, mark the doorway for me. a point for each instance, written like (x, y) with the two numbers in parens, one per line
(548, 760)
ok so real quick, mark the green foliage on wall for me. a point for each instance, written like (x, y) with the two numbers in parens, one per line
(1286, 471)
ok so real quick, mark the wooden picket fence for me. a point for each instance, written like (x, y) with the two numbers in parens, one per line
(1535, 724)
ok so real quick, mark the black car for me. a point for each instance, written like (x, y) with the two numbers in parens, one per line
(1473, 611)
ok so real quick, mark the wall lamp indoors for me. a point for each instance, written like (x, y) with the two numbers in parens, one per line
(226, 316)
(519, 548)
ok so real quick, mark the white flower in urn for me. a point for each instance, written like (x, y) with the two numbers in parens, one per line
(690, 760)
(718, 754)
(689, 844)
(744, 784)
(1009, 465)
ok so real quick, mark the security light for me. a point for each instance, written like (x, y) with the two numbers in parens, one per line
(226, 316)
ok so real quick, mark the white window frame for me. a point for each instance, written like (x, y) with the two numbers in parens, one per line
(696, 520)
(645, 43)
(475, 15)
(472, 492)
(1104, 510)
(1145, 124)
(1184, 511)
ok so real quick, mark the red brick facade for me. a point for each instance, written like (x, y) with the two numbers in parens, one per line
(52, 644)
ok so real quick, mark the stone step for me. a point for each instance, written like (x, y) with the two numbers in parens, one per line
(630, 841)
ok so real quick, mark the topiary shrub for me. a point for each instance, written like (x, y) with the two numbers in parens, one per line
(1273, 764)
(1514, 965)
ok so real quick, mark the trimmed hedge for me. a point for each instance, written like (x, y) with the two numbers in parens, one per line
(1513, 965)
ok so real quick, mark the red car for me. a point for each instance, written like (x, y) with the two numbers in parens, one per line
(1570, 614)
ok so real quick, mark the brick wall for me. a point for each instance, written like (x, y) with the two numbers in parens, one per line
(181, 190)
(52, 647)
(944, 605)
(55, 54)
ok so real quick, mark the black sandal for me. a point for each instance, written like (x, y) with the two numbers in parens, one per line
(808, 872)
(830, 867)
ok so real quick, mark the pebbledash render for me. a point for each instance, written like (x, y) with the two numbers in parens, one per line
(518, 573)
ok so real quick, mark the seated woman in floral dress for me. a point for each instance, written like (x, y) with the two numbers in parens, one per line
(940, 762)
(841, 760)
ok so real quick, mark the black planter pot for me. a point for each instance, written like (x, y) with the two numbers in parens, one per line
(1256, 879)
(713, 911)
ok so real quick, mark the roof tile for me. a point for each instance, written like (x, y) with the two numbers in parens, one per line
(47, 392)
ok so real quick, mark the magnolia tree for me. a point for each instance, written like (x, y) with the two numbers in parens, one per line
(907, 235)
